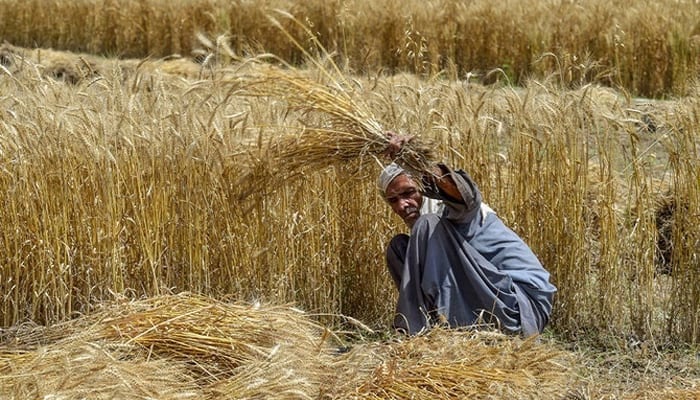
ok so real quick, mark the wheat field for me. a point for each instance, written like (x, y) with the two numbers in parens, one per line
(649, 47)
(232, 171)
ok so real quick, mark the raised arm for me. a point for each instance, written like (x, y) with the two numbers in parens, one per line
(441, 184)
(454, 187)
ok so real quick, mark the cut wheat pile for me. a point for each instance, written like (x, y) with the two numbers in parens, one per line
(206, 345)
(193, 347)
(186, 346)
(459, 364)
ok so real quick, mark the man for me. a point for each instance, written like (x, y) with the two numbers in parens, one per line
(462, 266)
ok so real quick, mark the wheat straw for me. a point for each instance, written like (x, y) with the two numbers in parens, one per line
(337, 128)
(73, 369)
(187, 346)
(457, 364)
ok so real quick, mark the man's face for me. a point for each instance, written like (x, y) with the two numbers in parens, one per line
(405, 199)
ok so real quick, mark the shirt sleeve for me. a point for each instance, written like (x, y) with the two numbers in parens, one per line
(457, 210)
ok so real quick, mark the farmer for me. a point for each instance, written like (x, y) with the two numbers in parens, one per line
(461, 267)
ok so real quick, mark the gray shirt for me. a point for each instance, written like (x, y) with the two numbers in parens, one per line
(464, 263)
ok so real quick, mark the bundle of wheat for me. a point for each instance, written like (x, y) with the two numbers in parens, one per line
(197, 343)
(336, 125)
(220, 336)
(74, 369)
(278, 377)
(59, 65)
(457, 364)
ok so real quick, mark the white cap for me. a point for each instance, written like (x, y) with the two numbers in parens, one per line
(388, 174)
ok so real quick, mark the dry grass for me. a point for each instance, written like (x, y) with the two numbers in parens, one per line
(650, 48)
(75, 68)
(223, 336)
(130, 183)
(337, 128)
(185, 346)
(628, 369)
(124, 176)
(201, 344)
(75, 369)
(457, 364)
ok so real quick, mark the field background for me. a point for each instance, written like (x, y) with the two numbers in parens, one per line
(131, 163)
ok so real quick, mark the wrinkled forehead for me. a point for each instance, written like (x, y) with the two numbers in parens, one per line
(401, 184)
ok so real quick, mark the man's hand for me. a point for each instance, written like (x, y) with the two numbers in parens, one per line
(396, 143)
